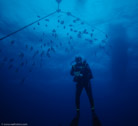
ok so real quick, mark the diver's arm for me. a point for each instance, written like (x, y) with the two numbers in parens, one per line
(90, 75)
(72, 71)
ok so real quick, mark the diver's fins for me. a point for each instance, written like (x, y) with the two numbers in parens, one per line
(96, 121)
(75, 121)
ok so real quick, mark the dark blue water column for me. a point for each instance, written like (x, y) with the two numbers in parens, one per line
(119, 53)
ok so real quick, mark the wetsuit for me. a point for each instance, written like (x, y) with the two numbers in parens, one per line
(82, 79)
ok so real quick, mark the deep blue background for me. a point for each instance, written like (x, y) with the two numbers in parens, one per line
(47, 96)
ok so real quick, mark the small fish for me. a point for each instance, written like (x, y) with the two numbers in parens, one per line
(22, 64)
(82, 23)
(71, 37)
(23, 80)
(106, 36)
(103, 41)
(62, 22)
(26, 46)
(70, 25)
(95, 39)
(71, 29)
(17, 70)
(92, 30)
(21, 55)
(67, 50)
(57, 46)
(68, 13)
(67, 34)
(52, 49)
(60, 44)
(47, 20)
(48, 50)
(78, 19)
(33, 28)
(38, 23)
(85, 31)
(38, 16)
(53, 30)
(42, 53)
(79, 35)
(30, 70)
(74, 21)
(11, 60)
(12, 42)
(64, 27)
(91, 34)
(35, 53)
(89, 40)
(31, 48)
(44, 44)
(48, 55)
(46, 25)
(75, 31)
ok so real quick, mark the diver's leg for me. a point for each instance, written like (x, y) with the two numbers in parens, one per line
(79, 89)
(89, 93)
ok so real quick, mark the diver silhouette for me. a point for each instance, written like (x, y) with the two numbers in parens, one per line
(82, 76)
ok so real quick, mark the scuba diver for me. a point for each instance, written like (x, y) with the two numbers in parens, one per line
(82, 76)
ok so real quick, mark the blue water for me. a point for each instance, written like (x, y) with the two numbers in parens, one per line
(36, 87)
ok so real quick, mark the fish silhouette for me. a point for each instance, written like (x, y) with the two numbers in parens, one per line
(26, 46)
(12, 42)
(10, 66)
(38, 23)
(89, 40)
(21, 55)
(62, 22)
(47, 20)
(36, 53)
(31, 48)
(11, 60)
(91, 34)
(42, 53)
(44, 44)
(48, 54)
(22, 64)
(17, 70)
(23, 80)
(70, 25)
(79, 35)
(52, 49)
